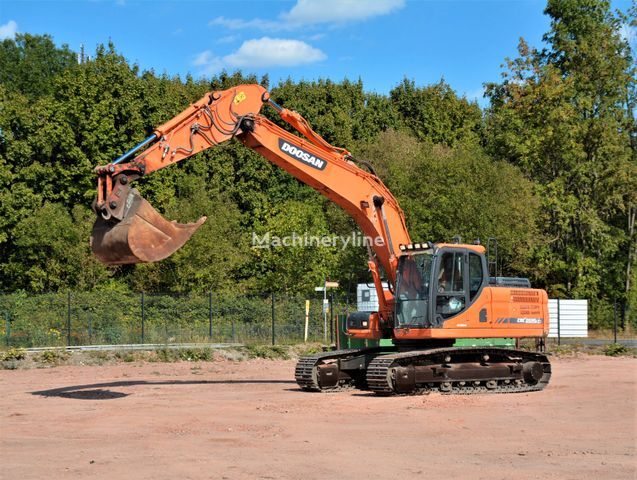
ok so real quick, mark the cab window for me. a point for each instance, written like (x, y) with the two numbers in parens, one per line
(476, 275)
(451, 290)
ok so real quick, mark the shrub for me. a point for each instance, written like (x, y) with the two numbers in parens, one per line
(267, 351)
(52, 357)
(195, 354)
(13, 354)
(616, 350)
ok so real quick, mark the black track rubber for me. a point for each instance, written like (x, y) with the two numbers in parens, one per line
(306, 375)
(379, 372)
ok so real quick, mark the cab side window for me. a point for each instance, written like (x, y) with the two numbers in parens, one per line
(451, 291)
(476, 275)
(450, 277)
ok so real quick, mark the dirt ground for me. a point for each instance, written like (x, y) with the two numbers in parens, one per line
(248, 420)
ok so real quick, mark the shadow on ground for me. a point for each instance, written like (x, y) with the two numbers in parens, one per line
(100, 391)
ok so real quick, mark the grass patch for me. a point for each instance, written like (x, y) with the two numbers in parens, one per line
(13, 353)
(195, 354)
(272, 352)
(51, 357)
(169, 355)
(617, 350)
(125, 356)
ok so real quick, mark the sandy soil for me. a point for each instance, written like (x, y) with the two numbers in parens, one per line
(225, 420)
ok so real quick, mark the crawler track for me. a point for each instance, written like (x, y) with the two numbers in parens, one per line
(307, 375)
(450, 370)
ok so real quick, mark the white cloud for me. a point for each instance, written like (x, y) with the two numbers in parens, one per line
(314, 12)
(310, 12)
(207, 62)
(316, 37)
(270, 52)
(8, 30)
(227, 39)
(239, 24)
(260, 53)
(203, 58)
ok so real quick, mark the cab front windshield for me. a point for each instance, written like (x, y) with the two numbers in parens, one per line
(412, 289)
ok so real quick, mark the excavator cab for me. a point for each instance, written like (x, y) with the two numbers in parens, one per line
(136, 232)
(437, 282)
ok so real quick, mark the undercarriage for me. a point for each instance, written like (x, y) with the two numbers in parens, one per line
(448, 370)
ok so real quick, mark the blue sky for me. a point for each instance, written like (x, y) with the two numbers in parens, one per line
(380, 41)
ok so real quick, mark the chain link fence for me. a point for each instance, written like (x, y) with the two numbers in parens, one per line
(97, 318)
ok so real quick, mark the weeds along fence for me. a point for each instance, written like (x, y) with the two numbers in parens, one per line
(95, 318)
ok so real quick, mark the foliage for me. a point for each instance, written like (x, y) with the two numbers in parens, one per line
(550, 168)
(616, 350)
(13, 353)
(436, 114)
(29, 63)
(565, 116)
(459, 191)
(271, 352)
(52, 357)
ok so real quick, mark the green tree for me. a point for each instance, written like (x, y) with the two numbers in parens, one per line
(460, 191)
(436, 114)
(293, 267)
(564, 116)
(211, 258)
(29, 63)
(51, 251)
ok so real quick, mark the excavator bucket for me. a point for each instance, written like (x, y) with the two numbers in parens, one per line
(142, 235)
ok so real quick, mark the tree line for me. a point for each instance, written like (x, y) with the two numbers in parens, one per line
(549, 167)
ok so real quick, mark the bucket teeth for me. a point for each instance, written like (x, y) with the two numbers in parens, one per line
(143, 235)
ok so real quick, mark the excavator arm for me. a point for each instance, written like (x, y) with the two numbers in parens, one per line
(129, 230)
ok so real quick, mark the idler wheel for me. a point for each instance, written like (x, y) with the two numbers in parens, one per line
(532, 372)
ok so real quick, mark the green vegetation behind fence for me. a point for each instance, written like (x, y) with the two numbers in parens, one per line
(60, 319)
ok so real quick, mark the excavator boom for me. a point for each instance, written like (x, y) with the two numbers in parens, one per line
(129, 230)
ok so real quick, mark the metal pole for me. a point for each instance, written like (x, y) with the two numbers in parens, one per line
(143, 316)
(558, 323)
(90, 329)
(68, 319)
(307, 319)
(615, 322)
(331, 317)
(324, 311)
(7, 319)
(210, 316)
(273, 317)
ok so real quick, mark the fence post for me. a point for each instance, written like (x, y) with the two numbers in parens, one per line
(332, 316)
(273, 317)
(7, 319)
(210, 315)
(615, 322)
(307, 319)
(143, 316)
(90, 329)
(559, 342)
(68, 319)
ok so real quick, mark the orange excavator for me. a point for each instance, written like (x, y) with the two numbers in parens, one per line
(435, 293)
